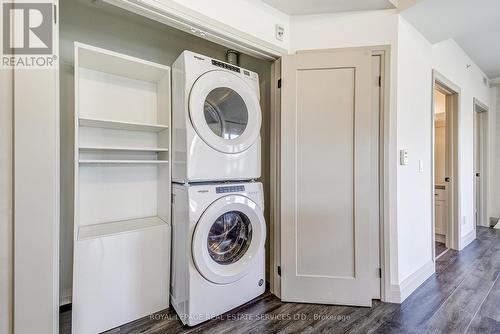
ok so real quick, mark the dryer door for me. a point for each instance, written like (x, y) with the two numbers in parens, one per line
(227, 238)
(225, 112)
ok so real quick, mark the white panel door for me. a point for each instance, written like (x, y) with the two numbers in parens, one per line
(327, 178)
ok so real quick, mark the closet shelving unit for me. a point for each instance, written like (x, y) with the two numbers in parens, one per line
(122, 189)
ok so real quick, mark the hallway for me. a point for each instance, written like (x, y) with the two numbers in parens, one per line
(462, 297)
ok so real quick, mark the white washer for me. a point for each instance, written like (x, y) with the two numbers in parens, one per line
(216, 119)
(218, 237)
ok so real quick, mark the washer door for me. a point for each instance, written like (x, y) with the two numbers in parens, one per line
(227, 238)
(224, 112)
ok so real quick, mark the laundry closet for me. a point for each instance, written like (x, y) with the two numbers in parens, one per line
(120, 183)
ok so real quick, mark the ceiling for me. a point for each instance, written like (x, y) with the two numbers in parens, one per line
(306, 7)
(474, 25)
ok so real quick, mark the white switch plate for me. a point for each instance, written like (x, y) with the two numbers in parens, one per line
(420, 166)
(403, 157)
(280, 32)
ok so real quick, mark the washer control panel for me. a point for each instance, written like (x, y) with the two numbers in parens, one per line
(229, 189)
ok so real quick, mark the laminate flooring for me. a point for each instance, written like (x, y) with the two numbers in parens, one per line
(463, 296)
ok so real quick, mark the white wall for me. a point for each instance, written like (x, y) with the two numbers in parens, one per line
(343, 30)
(252, 17)
(414, 95)
(36, 198)
(36, 206)
(29, 208)
(5, 201)
(244, 21)
(452, 62)
(416, 59)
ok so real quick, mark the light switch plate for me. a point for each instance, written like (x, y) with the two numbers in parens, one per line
(403, 157)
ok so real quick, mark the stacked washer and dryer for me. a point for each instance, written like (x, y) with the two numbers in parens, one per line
(218, 227)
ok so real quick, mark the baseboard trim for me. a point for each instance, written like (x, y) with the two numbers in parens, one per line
(399, 292)
(467, 239)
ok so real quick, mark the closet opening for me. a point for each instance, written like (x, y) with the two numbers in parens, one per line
(89, 22)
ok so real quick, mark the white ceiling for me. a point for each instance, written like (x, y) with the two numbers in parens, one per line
(474, 24)
(306, 7)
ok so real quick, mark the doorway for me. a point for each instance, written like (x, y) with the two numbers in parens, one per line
(480, 163)
(445, 165)
(440, 188)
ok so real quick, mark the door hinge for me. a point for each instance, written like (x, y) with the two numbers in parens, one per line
(55, 14)
(379, 272)
(279, 270)
(279, 83)
(380, 81)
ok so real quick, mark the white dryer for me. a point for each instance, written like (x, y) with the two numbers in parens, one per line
(216, 119)
(218, 238)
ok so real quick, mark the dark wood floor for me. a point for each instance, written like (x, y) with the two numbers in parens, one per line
(440, 248)
(462, 297)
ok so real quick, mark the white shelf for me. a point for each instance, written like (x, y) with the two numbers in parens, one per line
(106, 162)
(120, 148)
(122, 188)
(119, 64)
(120, 125)
(117, 227)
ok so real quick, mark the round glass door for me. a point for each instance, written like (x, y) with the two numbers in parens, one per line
(225, 112)
(229, 237)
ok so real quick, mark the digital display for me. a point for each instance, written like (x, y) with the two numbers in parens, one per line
(226, 66)
(229, 189)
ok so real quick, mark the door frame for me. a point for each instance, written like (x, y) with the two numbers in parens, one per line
(453, 92)
(388, 186)
(481, 109)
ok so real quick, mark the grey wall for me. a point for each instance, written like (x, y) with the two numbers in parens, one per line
(6, 201)
(112, 28)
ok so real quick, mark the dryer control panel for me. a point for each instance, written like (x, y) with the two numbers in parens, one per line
(229, 189)
(226, 66)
